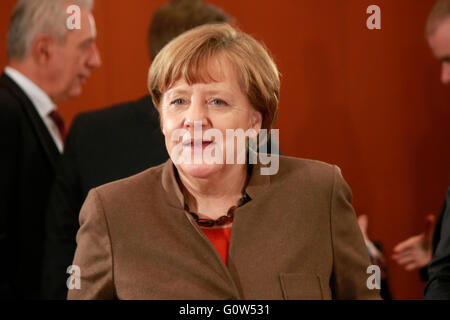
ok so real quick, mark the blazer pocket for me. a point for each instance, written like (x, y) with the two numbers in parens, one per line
(301, 286)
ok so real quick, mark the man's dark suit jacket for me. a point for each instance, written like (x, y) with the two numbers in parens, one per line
(101, 146)
(27, 172)
(438, 286)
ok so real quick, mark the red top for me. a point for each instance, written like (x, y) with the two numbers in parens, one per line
(220, 238)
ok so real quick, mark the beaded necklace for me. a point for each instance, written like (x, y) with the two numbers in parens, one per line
(228, 218)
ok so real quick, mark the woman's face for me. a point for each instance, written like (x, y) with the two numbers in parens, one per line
(195, 119)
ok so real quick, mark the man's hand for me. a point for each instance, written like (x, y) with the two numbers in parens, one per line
(375, 255)
(415, 252)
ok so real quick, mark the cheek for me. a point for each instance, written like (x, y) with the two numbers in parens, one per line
(237, 120)
(57, 66)
(168, 123)
(164, 123)
(74, 63)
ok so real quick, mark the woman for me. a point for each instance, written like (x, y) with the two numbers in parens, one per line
(205, 225)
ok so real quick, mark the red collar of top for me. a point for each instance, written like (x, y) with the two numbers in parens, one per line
(220, 239)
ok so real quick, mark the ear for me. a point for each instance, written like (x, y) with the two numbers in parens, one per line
(42, 49)
(256, 121)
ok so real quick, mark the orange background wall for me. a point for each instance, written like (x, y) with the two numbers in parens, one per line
(368, 101)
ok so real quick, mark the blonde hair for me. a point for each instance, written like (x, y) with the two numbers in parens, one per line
(439, 12)
(186, 57)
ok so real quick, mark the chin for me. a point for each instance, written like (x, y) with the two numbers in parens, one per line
(201, 171)
(75, 92)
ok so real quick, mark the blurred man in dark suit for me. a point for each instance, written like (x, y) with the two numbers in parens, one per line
(438, 285)
(438, 35)
(428, 251)
(47, 64)
(110, 144)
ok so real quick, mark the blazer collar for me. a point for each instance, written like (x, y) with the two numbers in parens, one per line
(170, 185)
(36, 121)
(256, 186)
(41, 101)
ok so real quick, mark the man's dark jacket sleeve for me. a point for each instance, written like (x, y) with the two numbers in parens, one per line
(62, 221)
(438, 286)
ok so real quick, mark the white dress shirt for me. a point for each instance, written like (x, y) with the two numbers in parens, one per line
(41, 102)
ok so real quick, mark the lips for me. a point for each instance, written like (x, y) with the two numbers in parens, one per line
(198, 143)
(83, 77)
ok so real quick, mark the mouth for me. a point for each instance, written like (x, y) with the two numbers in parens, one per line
(83, 78)
(193, 144)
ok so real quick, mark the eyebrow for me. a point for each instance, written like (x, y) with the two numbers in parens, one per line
(218, 92)
(445, 59)
(176, 91)
(87, 42)
(212, 92)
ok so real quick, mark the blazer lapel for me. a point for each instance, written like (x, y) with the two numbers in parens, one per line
(257, 188)
(37, 124)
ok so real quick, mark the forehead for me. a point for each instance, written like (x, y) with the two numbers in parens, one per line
(218, 72)
(87, 27)
(440, 40)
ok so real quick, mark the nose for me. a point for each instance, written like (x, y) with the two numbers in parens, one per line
(445, 72)
(94, 60)
(197, 113)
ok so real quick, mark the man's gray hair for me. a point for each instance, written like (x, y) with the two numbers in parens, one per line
(33, 17)
(439, 12)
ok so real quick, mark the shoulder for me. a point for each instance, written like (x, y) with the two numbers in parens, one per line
(9, 102)
(295, 168)
(304, 176)
(144, 184)
(9, 105)
(11, 110)
(132, 118)
(119, 113)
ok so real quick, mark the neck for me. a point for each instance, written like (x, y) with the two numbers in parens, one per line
(26, 68)
(29, 70)
(211, 198)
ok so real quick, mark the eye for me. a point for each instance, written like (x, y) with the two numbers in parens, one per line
(218, 102)
(87, 44)
(178, 101)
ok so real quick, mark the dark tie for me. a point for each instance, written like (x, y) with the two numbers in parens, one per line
(59, 121)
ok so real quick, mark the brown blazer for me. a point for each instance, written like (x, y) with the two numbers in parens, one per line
(297, 238)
